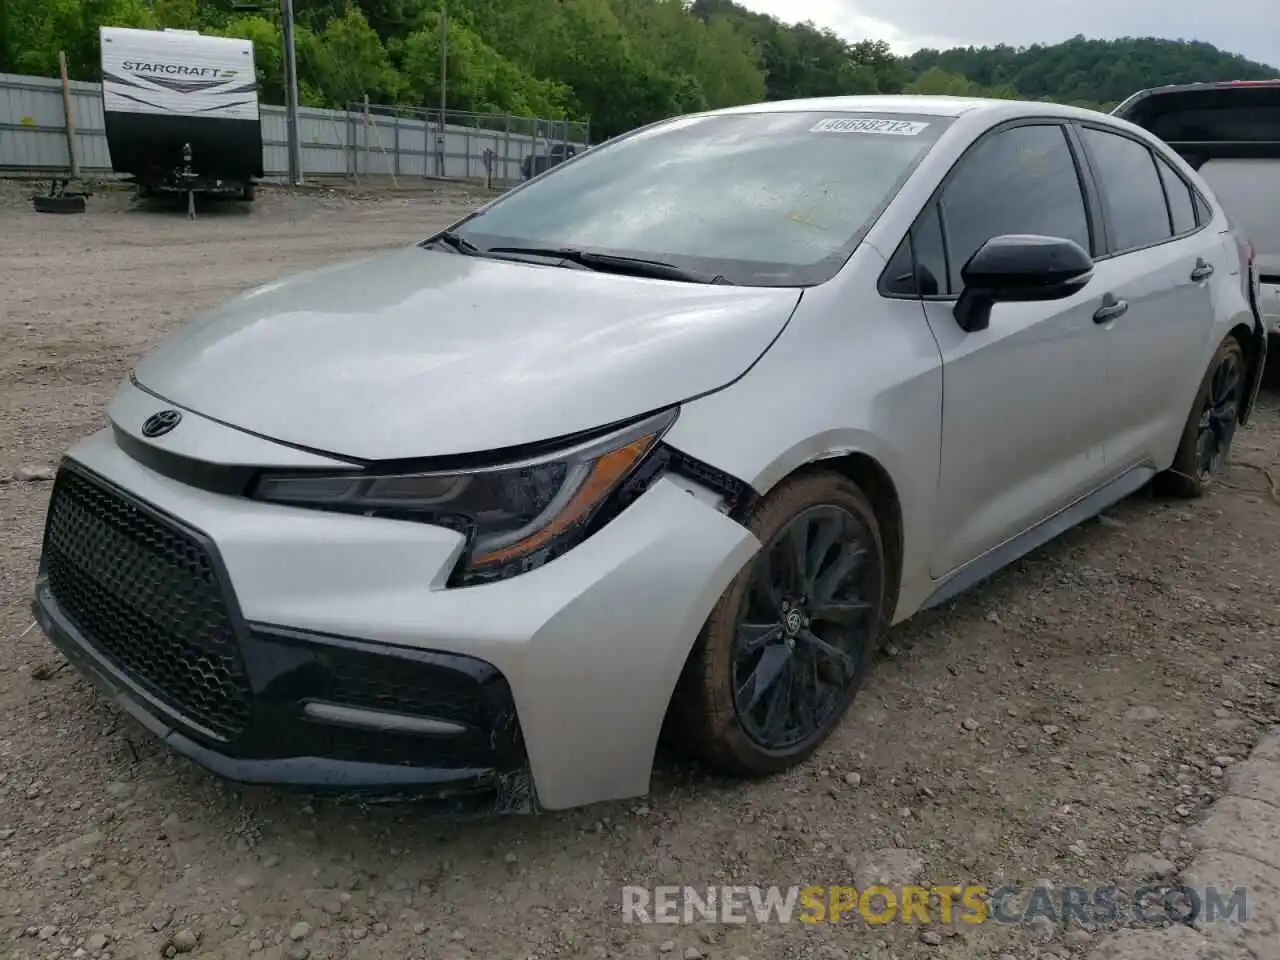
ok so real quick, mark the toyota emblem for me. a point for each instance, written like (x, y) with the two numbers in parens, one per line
(158, 424)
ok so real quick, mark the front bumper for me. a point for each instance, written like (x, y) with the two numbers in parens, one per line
(351, 667)
(349, 752)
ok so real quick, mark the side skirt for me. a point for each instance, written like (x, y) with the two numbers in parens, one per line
(997, 558)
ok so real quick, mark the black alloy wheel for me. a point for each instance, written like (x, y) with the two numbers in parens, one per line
(804, 627)
(1218, 419)
(1211, 425)
(790, 640)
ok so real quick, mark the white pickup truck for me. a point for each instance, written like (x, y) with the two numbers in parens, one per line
(1230, 133)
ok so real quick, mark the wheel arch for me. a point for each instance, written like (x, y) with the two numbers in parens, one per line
(1253, 341)
(875, 482)
(873, 479)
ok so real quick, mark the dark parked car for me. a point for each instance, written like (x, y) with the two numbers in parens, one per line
(536, 163)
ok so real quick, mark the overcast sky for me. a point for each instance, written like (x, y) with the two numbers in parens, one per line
(1250, 27)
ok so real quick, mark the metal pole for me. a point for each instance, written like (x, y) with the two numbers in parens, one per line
(291, 92)
(444, 63)
(69, 117)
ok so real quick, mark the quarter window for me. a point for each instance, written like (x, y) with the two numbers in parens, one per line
(1022, 180)
(1139, 214)
(931, 256)
(919, 265)
(1182, 205)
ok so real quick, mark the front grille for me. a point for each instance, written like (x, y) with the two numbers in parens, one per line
(147, 596)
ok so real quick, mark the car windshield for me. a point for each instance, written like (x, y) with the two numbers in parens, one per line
(764, 199)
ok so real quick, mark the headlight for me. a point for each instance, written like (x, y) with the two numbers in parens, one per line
(515, 516)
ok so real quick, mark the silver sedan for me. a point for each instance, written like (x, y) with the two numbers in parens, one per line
(658, 443)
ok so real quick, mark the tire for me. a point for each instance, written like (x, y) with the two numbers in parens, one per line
(248, 193)
(64, 204)
(1217, 411)
(704, 717)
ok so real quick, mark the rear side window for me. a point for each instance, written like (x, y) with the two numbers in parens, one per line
(1182, 204)
(1021, 180)
(1131, 185)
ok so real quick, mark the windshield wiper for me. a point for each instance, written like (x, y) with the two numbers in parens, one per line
(615, 263)
(456, 243)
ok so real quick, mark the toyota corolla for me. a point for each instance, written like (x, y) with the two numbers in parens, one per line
(657, 444)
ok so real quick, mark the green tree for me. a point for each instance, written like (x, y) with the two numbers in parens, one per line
(617, 63)
(347, 61)
(36, 30)
(479, 78)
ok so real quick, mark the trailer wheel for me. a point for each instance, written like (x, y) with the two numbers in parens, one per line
(248, 193)
(69, 204)
(145, 192)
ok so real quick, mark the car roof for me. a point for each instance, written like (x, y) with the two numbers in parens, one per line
(920, 104)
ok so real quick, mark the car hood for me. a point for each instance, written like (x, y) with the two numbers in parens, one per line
(421, 353)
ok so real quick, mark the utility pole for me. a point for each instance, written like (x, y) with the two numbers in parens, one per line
(291, 92)
(444, 56)
(444, 62)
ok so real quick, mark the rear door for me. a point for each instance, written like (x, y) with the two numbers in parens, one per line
(1161, 263)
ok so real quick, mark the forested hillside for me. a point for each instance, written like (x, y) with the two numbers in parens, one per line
(617, 63)
(1100, 71)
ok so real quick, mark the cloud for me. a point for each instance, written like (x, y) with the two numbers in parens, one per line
(847, 20)
(908, 25)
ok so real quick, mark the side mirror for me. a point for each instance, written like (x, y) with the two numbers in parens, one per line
(1019, 268)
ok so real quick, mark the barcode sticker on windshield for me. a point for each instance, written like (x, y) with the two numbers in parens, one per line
(899, 128)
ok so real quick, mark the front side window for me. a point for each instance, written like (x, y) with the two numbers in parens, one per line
(1021, 180)
(760, 198)
(1127, 169)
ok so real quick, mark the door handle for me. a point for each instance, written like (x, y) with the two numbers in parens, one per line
(1110, 309)
(1202, 271)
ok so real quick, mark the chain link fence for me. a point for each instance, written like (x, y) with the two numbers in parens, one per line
(371, 140)
(498, 149)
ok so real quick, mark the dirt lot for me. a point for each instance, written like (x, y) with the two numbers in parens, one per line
(1073, 713)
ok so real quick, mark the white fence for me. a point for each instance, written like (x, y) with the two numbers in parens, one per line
(334, 143)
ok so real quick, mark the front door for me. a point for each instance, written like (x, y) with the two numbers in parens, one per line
(1024, 401)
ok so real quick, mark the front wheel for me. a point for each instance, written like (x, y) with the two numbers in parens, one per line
(788, 644)
(1206, 438)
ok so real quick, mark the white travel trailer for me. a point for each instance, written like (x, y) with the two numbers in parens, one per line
(181, 110)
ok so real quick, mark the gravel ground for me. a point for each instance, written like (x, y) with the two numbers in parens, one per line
(1066, 722)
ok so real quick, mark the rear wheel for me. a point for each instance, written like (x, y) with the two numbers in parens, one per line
(788, 644)
(1211, 426)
